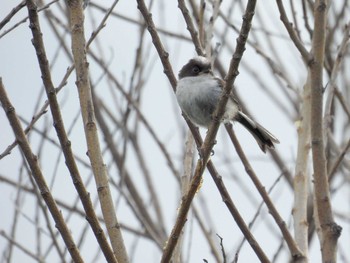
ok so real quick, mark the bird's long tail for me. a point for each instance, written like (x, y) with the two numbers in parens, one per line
(262, 136)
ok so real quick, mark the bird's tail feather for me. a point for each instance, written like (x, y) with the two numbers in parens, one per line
(262, 136)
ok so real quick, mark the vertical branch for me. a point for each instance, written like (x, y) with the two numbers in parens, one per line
(330, 231)
(18, 202)
(301, 178)
(62, 135)
(332, 82)
(87, 110)
(210, 28)
(185, 184)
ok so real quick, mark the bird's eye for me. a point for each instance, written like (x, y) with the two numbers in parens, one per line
(195, 69)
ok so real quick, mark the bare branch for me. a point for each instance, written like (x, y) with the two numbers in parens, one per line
(330, 231)
(292, 33)
(93, 144)
(191, 28)
(301, 179)
(62, 135)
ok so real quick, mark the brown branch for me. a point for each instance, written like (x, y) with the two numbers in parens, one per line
(37, 174)
(330, 231)
(14, 11)
(25, 19)
(224, 260)
(190, 27)
(295, 21)
(62, 135)
(200, 21)
(306, 19)
(292, 33)
(163, 55)
(76, 17)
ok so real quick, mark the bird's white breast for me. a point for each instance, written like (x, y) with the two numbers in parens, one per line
(203, 89)
(195, 86)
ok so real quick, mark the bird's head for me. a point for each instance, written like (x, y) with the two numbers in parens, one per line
(195, 67)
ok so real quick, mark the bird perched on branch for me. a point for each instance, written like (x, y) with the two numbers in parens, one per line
(198, 92)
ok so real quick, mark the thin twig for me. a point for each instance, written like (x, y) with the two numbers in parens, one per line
(331, 86)
(336, 164)
(190, 27)
(294, 250)
(21, 247)
(257, 213)
(163, 55)
(25, 19)
(222, 248)
(18, 204)
(292, 33)
(14, 11)
(137, 22)
(306, 19)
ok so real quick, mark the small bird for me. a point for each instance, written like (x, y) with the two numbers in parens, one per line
(198, 92)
